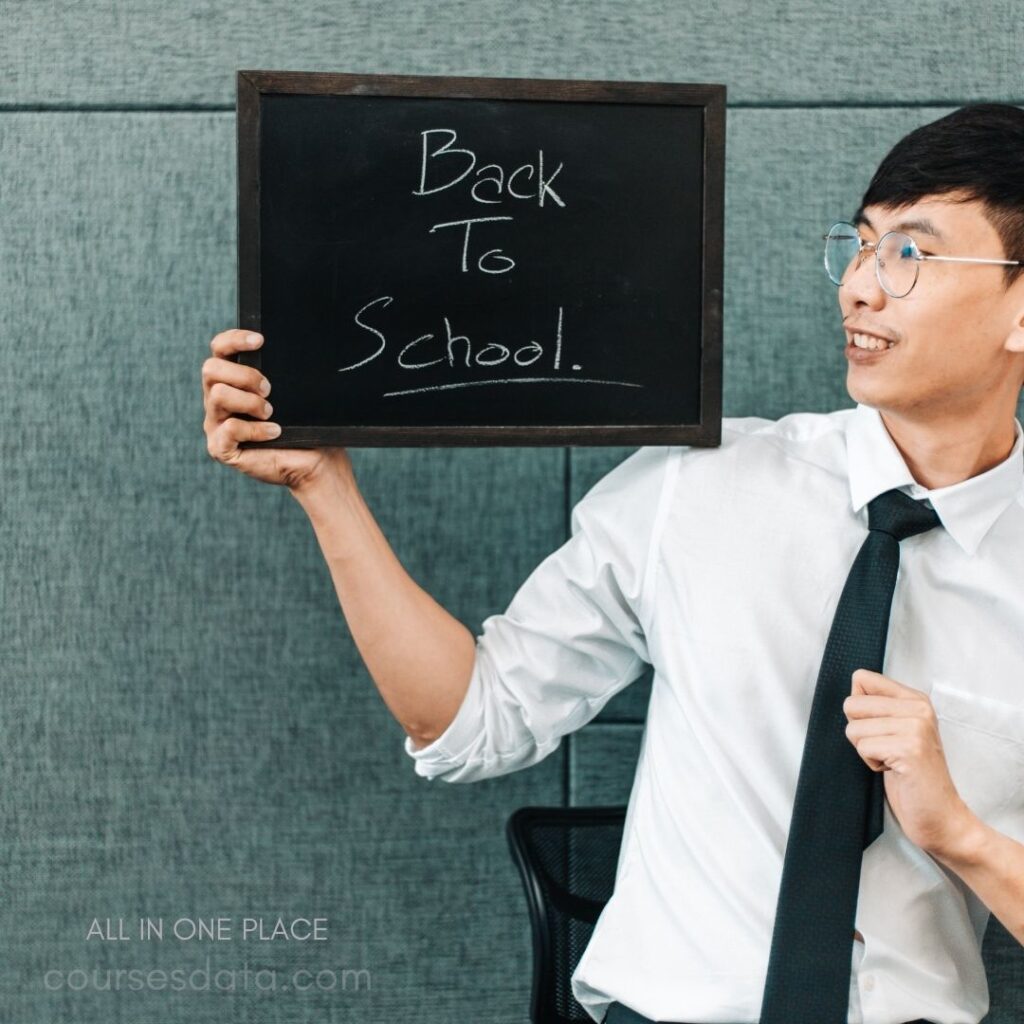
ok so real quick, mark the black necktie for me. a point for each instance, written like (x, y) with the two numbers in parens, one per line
(838, 810)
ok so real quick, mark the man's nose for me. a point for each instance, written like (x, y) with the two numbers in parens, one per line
(860, 283)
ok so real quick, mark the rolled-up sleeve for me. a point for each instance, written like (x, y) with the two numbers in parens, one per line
(572, 637)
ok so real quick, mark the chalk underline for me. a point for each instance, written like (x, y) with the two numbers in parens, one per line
(513, 380)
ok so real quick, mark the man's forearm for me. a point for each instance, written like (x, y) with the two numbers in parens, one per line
(420, 656)
(992, 865)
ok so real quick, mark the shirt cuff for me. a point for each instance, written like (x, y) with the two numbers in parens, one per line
(449, 750)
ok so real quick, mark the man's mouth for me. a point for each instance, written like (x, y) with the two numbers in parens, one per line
(869, 342)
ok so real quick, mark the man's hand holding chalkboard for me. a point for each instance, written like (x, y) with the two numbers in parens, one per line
(419, 655)
(230, 388)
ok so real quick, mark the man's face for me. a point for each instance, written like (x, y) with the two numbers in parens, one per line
(949, 358)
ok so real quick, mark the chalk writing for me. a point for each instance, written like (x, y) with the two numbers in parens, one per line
(443, 166)
(496, 179)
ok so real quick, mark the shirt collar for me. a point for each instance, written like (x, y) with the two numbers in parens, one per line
(967, 509)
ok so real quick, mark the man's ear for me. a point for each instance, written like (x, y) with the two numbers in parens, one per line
(1015, 339)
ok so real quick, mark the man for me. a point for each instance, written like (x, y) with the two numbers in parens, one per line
(722, 567)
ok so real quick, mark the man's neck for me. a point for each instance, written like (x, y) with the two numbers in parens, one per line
(941, 453)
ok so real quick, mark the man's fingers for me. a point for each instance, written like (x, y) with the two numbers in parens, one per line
(222, 442)
(229, 389)
(220, 367)
(227, 343)
(247, 378)
(223, 400)
(866, 706)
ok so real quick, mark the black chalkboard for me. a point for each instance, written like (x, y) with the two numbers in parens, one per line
(460, 261)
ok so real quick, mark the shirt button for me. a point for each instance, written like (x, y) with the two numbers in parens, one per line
(869, 982)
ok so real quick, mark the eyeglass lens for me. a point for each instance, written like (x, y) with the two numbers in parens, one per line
(897, 261)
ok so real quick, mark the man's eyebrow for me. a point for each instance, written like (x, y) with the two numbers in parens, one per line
(921, 225)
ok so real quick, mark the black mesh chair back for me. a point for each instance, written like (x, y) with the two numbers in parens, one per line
(567, 857)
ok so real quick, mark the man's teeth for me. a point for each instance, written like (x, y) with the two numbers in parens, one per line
(867, 341)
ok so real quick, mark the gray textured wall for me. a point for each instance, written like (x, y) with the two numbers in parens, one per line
(188, 729)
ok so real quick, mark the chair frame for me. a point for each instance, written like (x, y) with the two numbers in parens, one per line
(516, 829)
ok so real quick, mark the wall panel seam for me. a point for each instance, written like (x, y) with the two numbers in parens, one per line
(221, 108)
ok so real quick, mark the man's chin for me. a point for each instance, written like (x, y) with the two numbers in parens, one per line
(863, 393)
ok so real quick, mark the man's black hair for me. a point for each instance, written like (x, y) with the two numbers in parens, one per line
(978, 150)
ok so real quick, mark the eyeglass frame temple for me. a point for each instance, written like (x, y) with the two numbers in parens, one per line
(920, 256)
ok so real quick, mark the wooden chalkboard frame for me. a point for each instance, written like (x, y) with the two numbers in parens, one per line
(252, 85)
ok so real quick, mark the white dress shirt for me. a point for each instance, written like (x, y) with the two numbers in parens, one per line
(722, 568)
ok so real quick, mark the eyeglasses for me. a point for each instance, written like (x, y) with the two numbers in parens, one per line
(897, 257)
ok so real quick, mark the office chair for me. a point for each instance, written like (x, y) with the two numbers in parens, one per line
(567, 858)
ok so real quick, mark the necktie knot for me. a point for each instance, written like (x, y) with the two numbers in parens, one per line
(900, 515)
